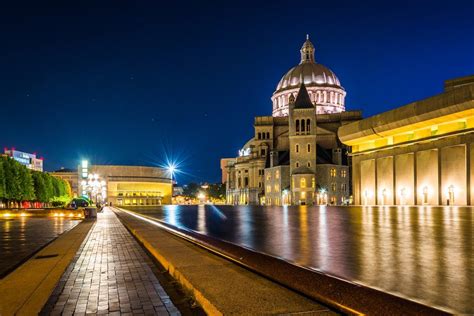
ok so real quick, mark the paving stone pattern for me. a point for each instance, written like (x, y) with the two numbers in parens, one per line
(111, 274)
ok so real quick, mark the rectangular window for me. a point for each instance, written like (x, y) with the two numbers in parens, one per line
(333, 187)
(333, 172)
(269, 188)
(246, 182)
(277, 174)
(343, 173)
(343, 187)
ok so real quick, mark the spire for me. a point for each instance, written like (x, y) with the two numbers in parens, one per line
(303, 101)
(307, 51)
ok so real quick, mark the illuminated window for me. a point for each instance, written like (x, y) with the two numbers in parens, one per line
(333, 172)
(303, 195)
(269, 188)
(277, 174)
(333, 187)
(343, 187)
(303, 183)
(343, 173)
(297, 148)
(277, 187)
(313, 182)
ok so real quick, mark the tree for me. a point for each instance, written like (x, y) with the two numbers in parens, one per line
(48, 186)
(191, 190)
(26, 184)
(216, 191)
(39, 187)
(2, 179)
(12, 179)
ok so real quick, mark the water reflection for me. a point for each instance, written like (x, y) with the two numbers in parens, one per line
(21, 236)
(423, 253)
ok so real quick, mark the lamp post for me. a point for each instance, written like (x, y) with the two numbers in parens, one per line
(171, 169)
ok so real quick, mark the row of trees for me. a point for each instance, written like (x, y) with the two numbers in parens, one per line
(18, 184)
(214, 191)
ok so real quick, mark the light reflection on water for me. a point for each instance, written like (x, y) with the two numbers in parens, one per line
(423, 253)
(21, 236)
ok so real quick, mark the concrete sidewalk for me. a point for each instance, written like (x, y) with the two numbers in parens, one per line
(111, 274)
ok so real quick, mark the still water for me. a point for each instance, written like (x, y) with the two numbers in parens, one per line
(421, 253)
(20, 237)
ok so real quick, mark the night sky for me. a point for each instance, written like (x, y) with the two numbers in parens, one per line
(131, 82)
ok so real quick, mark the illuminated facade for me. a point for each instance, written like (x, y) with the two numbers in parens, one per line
(129, 185)
(285, 163)
(419, 154)
(324, 88)
(26, 159)
(295, 156)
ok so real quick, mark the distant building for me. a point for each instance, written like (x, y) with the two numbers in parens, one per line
(177, 190)
(128, 185)
(295, 156)
(418, 154)
(26, 159)
(224, 170)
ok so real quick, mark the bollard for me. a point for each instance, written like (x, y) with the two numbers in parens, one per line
(90, 212)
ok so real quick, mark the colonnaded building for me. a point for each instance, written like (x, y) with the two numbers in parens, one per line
(295, 156)
(120, 185)
(419, 154)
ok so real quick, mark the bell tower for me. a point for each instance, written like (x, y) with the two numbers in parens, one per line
(302, 134)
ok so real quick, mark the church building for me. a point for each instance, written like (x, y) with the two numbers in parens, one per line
(295, 156)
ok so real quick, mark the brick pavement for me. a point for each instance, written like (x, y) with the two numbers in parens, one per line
(111, 274)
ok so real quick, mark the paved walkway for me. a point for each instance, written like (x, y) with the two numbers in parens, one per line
(111, 274)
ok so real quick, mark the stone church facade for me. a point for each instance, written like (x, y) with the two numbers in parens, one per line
(295, 156)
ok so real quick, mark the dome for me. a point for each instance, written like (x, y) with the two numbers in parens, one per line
(324, 88)
(311, 74)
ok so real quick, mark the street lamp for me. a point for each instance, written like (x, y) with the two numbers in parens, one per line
(171, 167)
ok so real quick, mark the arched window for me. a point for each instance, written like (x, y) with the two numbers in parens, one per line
(268, 135)
(303, 183)
(259, 136)
(309, 148)
(297, 126)
(302, 126)
(297, 148)
(308, 125)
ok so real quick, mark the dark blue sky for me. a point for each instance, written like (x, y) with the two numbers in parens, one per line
(126, 81)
